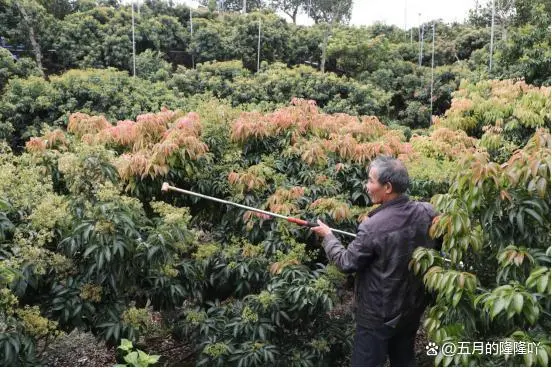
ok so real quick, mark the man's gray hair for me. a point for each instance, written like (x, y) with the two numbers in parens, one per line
(391, 170)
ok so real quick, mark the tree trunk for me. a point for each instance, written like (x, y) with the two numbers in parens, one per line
(327, 33)
(294, 16)
(34, 43)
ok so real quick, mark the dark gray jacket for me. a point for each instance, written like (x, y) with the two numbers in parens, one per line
(386, 291)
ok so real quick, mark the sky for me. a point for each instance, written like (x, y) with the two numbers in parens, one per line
(366, 12)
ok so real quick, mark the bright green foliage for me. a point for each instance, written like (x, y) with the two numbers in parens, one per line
(356, 51)
(135, 357)
(11, 68)
(504, 114)
(151, 65)
(86, 229)
(495, 265)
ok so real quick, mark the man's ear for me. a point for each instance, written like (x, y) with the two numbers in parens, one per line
(388, 188)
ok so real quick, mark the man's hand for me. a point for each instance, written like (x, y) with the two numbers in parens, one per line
(322, 229)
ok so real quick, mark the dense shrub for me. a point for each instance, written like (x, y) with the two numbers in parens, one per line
(29, 103)
(276, 85)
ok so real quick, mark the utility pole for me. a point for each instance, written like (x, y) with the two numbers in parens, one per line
(133, 44)
(420, 36)
(405, 31)
(432, 66)
(192, 36)
(244, 6)
(421, 46)
(492, 38)
(259, 48)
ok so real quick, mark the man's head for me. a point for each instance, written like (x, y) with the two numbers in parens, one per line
(387, 179)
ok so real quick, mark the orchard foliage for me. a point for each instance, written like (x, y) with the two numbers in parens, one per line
(28, 103)
(504, 114)
(495, 266)
(275, 85)
(88, 244)
(88, 240)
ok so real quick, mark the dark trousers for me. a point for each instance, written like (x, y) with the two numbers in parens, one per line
(372, 345)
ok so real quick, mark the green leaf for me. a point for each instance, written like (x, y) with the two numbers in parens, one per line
(528, 358)
(534, 214)
(153, 359)
(456, 298)
(89, 250)
(517, 303)
(132, 358)
(543, 283)
(542, 357)
(126, 345)
(519, 219)
(497, 307)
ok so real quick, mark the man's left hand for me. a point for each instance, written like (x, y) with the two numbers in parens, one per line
(322, 229)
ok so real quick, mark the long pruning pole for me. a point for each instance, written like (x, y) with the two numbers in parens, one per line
(166, 187)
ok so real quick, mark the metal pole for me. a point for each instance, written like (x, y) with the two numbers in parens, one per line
(422, 46)
(133, 44)
(192, 36)
(492, 38)
(405, 32)
(259, 48)
(166, 187)
(432, 65)
(419, 38)
(244, 6)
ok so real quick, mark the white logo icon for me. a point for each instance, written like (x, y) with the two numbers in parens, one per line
(431, 349)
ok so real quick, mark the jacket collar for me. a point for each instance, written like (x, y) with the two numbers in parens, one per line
(403, 198)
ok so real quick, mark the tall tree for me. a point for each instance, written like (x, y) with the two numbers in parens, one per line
(330, 13)
(237, 5)
(505, 11)
(28, 10)
(58, 8)
(288, 7)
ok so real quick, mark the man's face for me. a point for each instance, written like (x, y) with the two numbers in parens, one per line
(377, 192)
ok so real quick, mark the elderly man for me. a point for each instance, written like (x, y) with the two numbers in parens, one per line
(389, 299)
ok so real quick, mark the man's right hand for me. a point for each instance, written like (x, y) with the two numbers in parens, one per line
(322, 229)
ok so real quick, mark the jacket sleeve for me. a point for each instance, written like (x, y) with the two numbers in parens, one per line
(356, 256)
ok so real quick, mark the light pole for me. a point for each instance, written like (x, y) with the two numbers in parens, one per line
(492, 38)
(133, 44)
(432, 65)
(421, 44)
(420, 37)
(259, 48)
(405, 32)
(192, 36)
